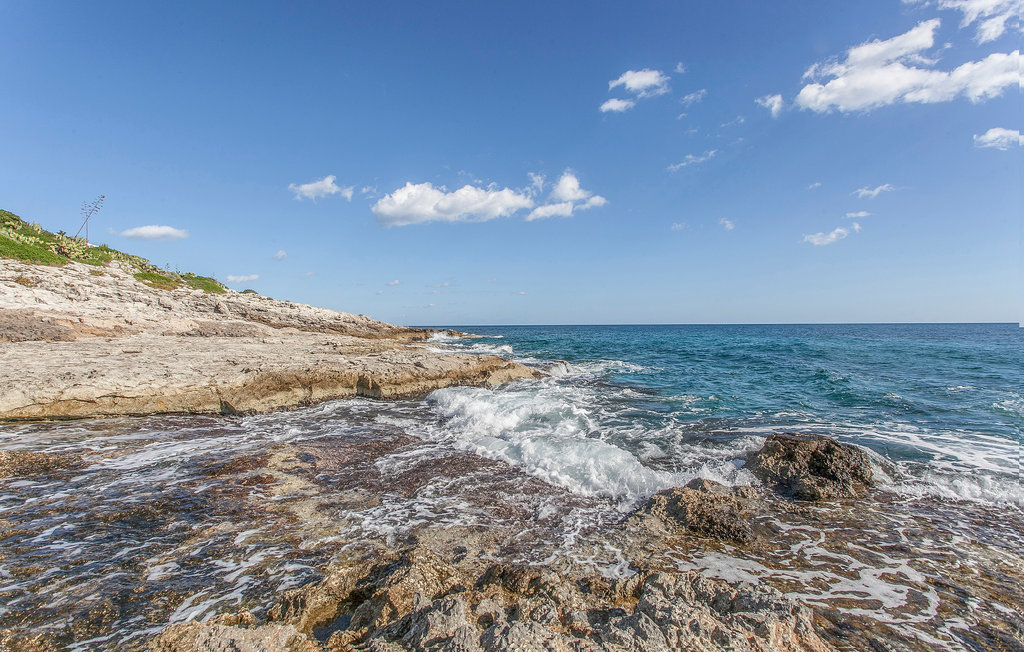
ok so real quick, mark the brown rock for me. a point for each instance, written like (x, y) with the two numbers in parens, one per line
(704, 508)
(25, 463)
(811, 467)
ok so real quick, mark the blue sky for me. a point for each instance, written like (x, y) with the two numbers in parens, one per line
(485, 163)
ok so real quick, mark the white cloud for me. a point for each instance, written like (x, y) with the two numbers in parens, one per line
(308, 275)
(879, 73)
(642, 83)
(858, 214)
(561, 209)
(243, 278)
(992, 16)
(728, 225)
(738, 120)
(154, 232)
(871, 193)
(616, 105)
(521, 293)
(999, 138)
(694, 97)
(678, 226)
(536, 183)
(321, 188)
(394, 283)
(568, 189)
(566, 196)
(692, 159)
(837, 234)
(281, 254)
(816, 184)
(680, 68)
(771, 102)
(422, 202)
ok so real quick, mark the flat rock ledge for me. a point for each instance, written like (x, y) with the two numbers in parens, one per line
(80, 341)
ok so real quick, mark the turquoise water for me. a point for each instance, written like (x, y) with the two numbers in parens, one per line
(942, 402)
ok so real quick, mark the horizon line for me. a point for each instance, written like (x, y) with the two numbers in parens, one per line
(824, 323)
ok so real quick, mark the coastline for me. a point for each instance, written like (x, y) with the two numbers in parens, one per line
(81, 342)
(364, 523)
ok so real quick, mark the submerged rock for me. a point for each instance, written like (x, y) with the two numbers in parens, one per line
(811, 467)
(25, 463)
(704, 508)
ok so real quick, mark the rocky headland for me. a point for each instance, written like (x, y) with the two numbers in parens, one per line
(85, 341)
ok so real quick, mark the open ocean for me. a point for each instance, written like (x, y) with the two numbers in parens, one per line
(171, 517)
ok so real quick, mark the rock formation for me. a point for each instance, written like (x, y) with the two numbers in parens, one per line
(811, 467)
(78, 341)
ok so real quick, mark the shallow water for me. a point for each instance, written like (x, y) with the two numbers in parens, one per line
(171, 519)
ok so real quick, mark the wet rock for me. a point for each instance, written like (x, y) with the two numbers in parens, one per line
(811, 467)
(199, 637)
(419, 601)
(705, 508)
(25, 463)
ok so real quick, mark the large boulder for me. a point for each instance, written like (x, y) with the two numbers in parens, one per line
(811, 467)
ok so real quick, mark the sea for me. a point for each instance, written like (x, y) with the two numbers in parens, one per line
(177, 518)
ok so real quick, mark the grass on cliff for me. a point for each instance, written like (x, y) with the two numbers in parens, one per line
(34, 244)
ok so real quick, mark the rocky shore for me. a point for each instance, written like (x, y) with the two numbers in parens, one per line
(441, 592)
(80, 341)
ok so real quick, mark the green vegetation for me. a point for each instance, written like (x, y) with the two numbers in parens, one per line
(204, 283)
(33, 244)
(157, 280)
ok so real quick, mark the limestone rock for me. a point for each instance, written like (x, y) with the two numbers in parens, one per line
(419, 601)
(199, 637)
(132, 349)
(705, 508)
(811, 467)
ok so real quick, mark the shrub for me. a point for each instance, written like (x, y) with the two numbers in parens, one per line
(158, 281)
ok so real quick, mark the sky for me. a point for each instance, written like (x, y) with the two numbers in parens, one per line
(465, 163)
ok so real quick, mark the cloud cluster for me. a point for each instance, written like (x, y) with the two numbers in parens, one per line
(999, 138)
(693, 159)
(423, 202)
(879, 73)
(154, 232)
(837, 234)
(771, 102)
(281, 254)
(321, 188)
(858, 214)
(641, 83)
(243, 278)
(728, 225)
(871, 193)
(992, 16)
